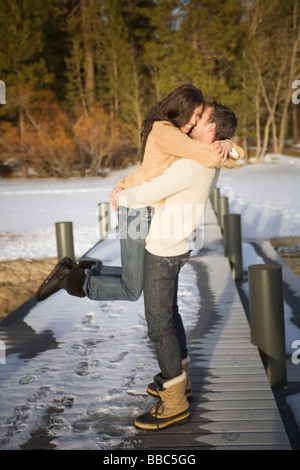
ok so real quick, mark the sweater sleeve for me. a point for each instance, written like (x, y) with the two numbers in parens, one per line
(170, 140)
(176, 178)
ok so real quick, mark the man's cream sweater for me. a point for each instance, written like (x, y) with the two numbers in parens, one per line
(186, 185)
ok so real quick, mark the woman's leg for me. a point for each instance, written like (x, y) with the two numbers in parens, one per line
(126, 282)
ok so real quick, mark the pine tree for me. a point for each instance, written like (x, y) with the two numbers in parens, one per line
(160, 51)
(22, 65)
(127, 28)
(209, 36)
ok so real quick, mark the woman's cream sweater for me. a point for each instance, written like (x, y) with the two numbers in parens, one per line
(165, 144)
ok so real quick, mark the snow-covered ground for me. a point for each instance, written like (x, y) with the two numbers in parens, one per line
(104, 344)
(267, 197)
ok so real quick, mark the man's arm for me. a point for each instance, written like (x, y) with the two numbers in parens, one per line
(176, 178)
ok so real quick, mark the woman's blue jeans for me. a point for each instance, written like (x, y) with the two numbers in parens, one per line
(165, 327)
(123, 282)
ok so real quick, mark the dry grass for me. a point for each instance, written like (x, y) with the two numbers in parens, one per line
(19, 280)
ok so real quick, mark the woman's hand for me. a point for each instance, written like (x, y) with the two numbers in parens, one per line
(113, 198)
(222, 148)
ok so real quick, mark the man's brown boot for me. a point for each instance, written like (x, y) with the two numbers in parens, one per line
(172, 408)
(152, 387)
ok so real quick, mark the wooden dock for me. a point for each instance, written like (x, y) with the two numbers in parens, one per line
(233, 406)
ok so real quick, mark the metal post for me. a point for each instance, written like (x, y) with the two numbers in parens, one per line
(104, 218)
(233, 244)
(267, 319)
(223, 209)
(64, 240)
(214, 199)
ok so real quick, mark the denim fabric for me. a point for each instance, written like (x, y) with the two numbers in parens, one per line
(165, 327)
(126, 282)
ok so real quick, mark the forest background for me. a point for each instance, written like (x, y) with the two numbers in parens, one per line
(80, 74)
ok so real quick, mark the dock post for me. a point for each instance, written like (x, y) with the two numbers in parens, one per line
(64, 240)
(214, 199)
(267, 319)
(223, 209)
(233, 244)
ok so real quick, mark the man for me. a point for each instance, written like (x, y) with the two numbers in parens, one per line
(185, 186)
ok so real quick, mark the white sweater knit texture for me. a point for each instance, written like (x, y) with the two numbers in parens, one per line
(177, 225)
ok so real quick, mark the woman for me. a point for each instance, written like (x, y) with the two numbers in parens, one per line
(164, 140)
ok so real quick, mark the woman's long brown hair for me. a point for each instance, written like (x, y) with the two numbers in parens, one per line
(177, 107)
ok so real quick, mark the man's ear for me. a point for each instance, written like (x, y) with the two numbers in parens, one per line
(212, 127)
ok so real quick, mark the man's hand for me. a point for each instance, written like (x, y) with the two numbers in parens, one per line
(113, 198)
(222, 148)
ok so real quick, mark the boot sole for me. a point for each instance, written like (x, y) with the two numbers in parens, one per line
(156, 427)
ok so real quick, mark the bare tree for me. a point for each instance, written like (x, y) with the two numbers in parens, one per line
(272, 57)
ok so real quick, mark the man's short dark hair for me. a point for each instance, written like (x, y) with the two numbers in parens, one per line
(225, 120)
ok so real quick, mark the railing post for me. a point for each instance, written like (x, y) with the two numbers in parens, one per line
(267, 319)
(104, 218)
(233, 244)
(64, 240)
(214, 199)
(223, 209)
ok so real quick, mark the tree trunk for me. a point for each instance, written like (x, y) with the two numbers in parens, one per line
(115, 81)
(264, 148)
(89, 69)
(274, 135)
(257, 124)
(245, 147)
(22, 135)
(89, 76)
(136, 95)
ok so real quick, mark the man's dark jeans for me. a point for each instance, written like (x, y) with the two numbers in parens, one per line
(165, 327)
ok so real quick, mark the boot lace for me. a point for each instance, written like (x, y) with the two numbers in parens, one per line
(159, 409)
